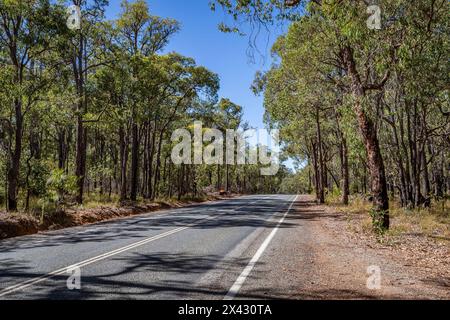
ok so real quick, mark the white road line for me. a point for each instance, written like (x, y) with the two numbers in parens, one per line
(232, 293)
(143, 217)
(63, 271)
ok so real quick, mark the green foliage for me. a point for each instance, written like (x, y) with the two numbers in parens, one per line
(127, 91)
(38, 179)
(311, 92)
(60, 185)
(100, 98)
(296, 183)
(377, 221)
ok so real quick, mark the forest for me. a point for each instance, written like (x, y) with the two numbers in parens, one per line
(234, 150)
(360, 94)
(87, 114)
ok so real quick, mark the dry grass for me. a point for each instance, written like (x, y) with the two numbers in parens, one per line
(97, 201)
(433, 223)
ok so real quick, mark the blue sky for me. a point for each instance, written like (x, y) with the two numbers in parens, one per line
(224, 54)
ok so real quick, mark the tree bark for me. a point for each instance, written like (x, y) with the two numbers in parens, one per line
(134, 161)
(345, 174)
(14, 169)
(123, 164)
(81, 144)
(370, 138)
(321, 164)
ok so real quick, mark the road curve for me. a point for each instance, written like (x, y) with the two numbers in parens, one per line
(199, 252)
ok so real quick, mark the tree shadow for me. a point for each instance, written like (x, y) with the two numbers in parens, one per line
(174, 267)
(170, 276)
(231, 214)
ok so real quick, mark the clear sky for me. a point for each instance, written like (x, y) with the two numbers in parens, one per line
(224, 54)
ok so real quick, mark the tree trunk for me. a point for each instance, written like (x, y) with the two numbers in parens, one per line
(426, 178)
(134, 161)
(345, 174)
(80, 170)
(81, 144)
(14, 169)
(316, 172)
(62, 148)
(322, 169)
(151, 150)
(370, 138)
(123, 164)
(158, 166)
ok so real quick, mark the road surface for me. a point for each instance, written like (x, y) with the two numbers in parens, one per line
(220, 250)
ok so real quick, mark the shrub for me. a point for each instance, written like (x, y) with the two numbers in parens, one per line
(58, 188)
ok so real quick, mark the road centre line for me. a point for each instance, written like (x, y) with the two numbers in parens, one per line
(63, 271)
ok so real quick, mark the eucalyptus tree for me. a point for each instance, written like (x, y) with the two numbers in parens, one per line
(140, 35)
(169, 88)
(26, 31)
(112, 91)
(334, 30)
(183, 85)
(416, 101)
(374, 68)
(304, 95)
(228, 117)
(82, 48)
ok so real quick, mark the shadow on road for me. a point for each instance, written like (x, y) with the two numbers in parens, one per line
(255, 215)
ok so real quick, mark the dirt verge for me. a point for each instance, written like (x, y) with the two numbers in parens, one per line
(21, 224)
(411, 266)
(17, 225)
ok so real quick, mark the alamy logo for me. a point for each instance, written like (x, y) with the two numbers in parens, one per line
(74, 19)
(374, 280)
(213, 147)
(374, 21)
(74, 280)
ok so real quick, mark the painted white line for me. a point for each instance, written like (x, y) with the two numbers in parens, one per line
(232, 293)
(63, 271)
(142, 217)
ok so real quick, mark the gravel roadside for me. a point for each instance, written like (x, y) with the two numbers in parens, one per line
(320, 257)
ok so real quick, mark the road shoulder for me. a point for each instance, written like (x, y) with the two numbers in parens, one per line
(319, 257)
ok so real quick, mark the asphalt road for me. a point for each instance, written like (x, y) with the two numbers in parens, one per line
(208, 251)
